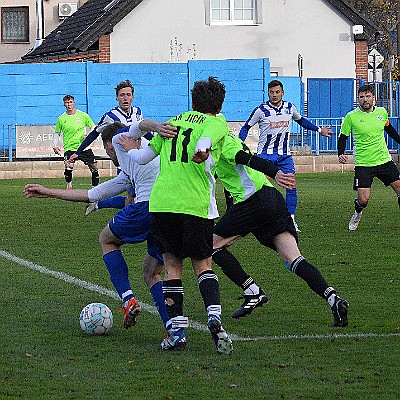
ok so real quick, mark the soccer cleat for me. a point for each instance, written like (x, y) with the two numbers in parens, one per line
(251, 302)
(91, 207)
(355, 220)
(131, 313)
(295, 224)
(176, 340)
(223, 342)
(339, 311)
(69, 186)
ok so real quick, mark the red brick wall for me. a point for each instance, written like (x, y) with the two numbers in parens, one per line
(361, 59)
(104, 49)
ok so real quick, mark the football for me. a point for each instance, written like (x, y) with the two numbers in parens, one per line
(96, 319)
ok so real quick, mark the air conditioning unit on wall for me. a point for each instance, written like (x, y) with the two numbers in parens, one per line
(66, 9)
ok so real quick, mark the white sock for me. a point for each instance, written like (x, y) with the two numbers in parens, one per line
(331, 299)
(252, 290)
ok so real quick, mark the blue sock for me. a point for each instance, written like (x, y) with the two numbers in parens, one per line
(118, 269)
(291, 200)
(112, 202)
(158, 299)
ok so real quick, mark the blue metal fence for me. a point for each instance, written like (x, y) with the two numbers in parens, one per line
(321, 144)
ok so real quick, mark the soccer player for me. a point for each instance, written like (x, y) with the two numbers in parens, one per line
(367, 123)
(260, 209)
(71, 125)
(125, 113)
(130, 225)
(183, 206)
(273, 118)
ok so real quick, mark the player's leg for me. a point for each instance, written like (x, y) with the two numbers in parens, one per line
(396, 187)
(132, 224)
(363, 177)
(286, 165)
(68, 171)
(173, 297)
(119, 276)
(390, 175)
(167, 230)
(253, 295)
(286, 246)
(117, 202)
(209, 290)
(198, 245)
(87, 157)
(152, 267)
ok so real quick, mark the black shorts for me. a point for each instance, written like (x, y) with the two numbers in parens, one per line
(183, 235)
(87, 156)
(264, 214)
(387, 173)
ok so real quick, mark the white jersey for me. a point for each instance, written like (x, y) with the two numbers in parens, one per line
(117, 115)
(142, 177)
(274, 125)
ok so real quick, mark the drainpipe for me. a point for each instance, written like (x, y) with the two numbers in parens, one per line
(39, 24)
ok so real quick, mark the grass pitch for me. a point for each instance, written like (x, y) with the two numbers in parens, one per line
(287, 349)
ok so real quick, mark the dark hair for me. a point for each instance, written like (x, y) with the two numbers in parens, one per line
(122, 85)
(366, 88)
(110, 130)
(68, 97)
(274, 83)
(208, 96)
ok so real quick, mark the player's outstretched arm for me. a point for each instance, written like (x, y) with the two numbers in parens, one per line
(139, 129)
(39, 191)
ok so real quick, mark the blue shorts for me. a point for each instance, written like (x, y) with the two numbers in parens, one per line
(284, 162)
(132, 224)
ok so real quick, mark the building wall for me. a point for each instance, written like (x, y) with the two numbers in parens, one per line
(14, 51)
(164, 31)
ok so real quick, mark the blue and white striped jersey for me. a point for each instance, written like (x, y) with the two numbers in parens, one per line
(117, 115)
(114, 115)
(274, 126)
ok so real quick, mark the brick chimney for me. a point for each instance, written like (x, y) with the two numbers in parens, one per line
(361, 56)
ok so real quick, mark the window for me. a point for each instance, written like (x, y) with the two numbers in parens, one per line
(14, 24)
(233, 12)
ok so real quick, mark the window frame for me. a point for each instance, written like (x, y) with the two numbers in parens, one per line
(4, 10)
(257, 15)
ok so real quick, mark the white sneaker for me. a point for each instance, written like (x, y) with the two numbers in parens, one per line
(355, 220)
(295, 224)
(91, 207)
(69, 186)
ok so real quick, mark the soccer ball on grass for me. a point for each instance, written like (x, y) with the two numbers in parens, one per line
(96, 319)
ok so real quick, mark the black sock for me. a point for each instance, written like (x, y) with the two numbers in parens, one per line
(173, 296)
(95, 178)
(231, 267)
(68, 175)
(311, 275)
(358, 207)
(209, 288)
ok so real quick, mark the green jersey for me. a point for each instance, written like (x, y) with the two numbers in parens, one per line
(239, 180)
(72, 127)
(183, 186)
(369, 141)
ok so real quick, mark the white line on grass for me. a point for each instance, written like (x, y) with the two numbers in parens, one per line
(193, 324)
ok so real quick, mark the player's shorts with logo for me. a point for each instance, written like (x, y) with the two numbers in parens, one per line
(183, 235)
(387, 173)
(264, 214)
(133, 224)
(87, 156)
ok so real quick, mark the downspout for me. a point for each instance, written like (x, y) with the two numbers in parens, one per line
(39, 24)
